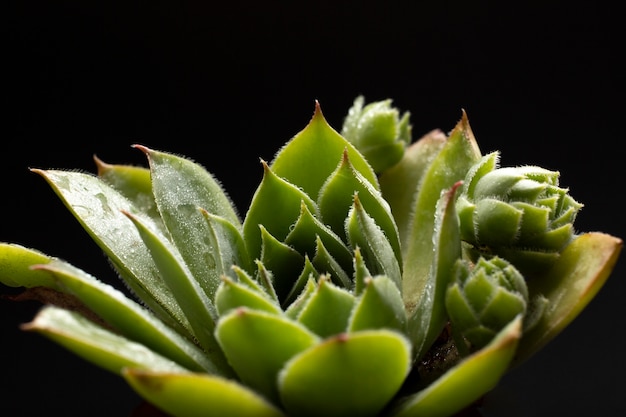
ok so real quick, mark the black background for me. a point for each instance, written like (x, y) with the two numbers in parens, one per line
(227, 83)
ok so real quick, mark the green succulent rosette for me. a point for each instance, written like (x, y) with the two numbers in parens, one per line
(483, 299)
(379, 131)
(332, 296)
(519, 213)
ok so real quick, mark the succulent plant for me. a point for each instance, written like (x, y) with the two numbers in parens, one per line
(370, 276)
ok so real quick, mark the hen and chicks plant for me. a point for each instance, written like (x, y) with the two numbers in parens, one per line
(371, 275)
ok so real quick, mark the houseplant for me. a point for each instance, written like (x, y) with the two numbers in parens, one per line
(371, 275)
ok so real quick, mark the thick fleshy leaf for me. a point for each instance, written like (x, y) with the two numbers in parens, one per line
(127, 317)
(324, 262)
(98, 208)
(198, 395)
(276, 205)
(227, 241)
(308, 229)
(258, 344)
(95, 343)
(15, 267)
(467, 381)
(309, 285)
(379, 306)
(428, 318)
(194, 302)
(314, 153)
(361, 373)
(572, 282)
(284, 262)
(181, 188)
(400, 183)
(364, 233)
(328, 309)
(336, 198)
(133, 182)
(231, 295)
(451, 164)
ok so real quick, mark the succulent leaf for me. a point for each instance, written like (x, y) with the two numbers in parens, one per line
(379, 306)
(308, 229)
(451, 392)
(569, 285)
(366, 279)
(378, 132)
(181, 188)
(428, 318)
(362, 372)
(450, 165)
(327, 310)
(483, 299)
(96, 344)
(247, 336)
(196, 305)
(232, 295)
(199, 395)
(98, 208)
(15, 267)
(226, 240)
(133, 182)
(365, 233)
(276, 205)
(311, 156)
(519, 213)
(130, 319)
(336, 198)
(400, 183)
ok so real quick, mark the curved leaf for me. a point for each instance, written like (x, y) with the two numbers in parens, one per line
(328, 309)
(257, 345)
(181, 188)
(428, 318)
(361, 373)
(336, 197)
(379, 306)
(467, 381)
(198, 395)
(226, 239)
(365, 233)
(400, 183)
(95, 343)
(98, 208)
(15, 267)
(276, 206)
(194, 302)
(571, 283)
(314, 153)
(231, 295)
(126, 316)
(449, 166)
(133, 182)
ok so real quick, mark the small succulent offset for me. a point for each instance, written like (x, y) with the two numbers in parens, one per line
(370, 276)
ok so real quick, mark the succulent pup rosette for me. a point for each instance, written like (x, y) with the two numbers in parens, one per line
(370, 276)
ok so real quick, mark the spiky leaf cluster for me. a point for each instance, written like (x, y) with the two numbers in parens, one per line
(334, 295)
